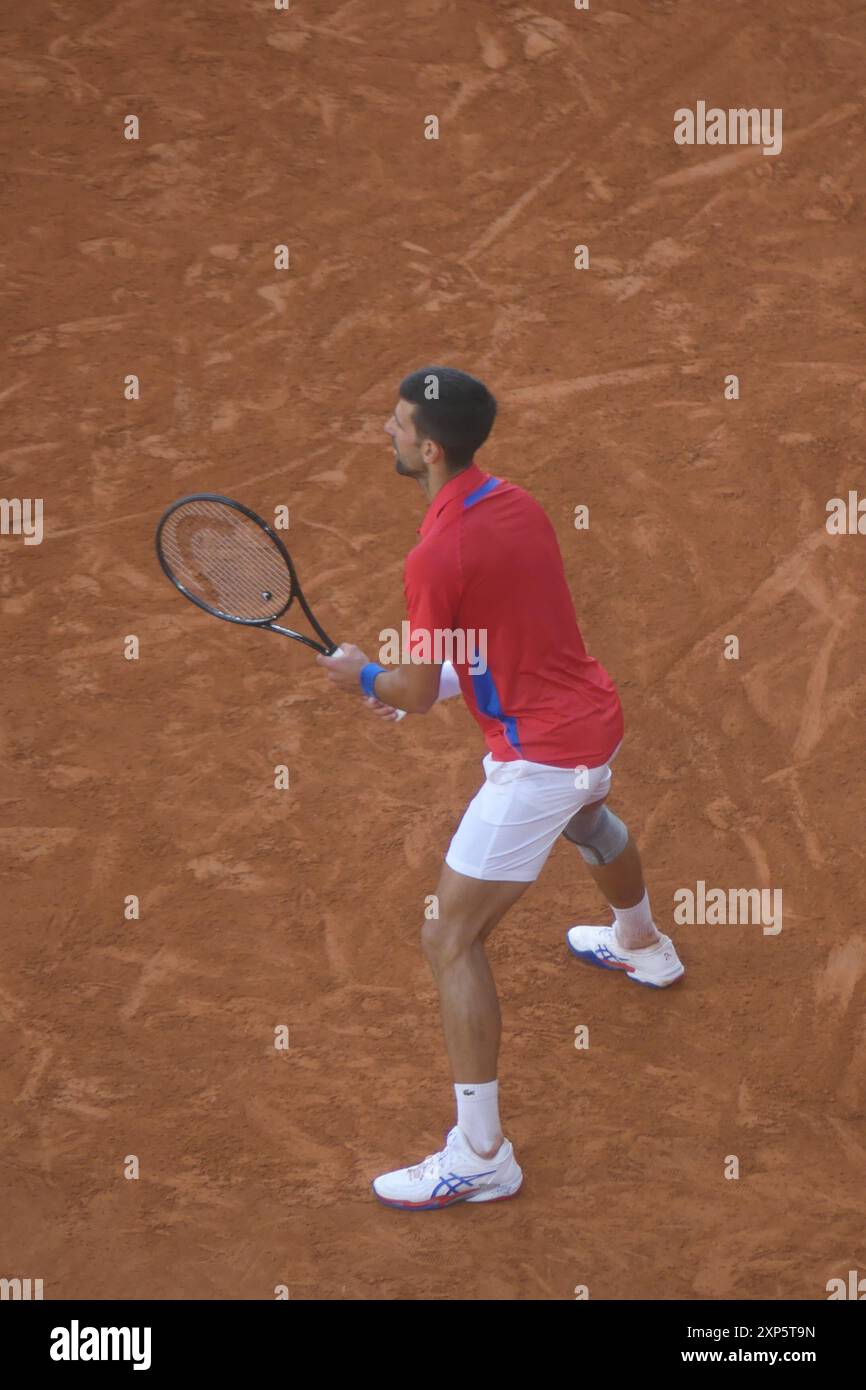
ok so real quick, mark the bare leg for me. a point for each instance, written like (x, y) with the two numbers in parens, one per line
(622, 885)
(469, 909)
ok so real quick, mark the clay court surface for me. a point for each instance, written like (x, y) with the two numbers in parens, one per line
(155, 777)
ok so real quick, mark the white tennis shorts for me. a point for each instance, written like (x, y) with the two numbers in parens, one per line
(510, 826)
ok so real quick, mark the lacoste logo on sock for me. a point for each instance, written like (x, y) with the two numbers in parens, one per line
(469, 1093)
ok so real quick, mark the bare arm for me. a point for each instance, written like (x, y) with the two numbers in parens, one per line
(449, 686)
(412, 688)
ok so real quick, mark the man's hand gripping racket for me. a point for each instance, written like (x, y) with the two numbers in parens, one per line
(228, 561)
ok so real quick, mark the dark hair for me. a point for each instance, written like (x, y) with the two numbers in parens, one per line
(460, 419)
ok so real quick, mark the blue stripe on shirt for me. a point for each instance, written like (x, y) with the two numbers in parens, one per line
(472, 497)
(487, 698)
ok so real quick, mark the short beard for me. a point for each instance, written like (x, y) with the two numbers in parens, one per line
(403, 468)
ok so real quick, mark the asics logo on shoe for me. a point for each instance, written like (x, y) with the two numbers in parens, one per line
(604, 953)
(453, 1182)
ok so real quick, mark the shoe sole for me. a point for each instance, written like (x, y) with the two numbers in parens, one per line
(589, 958)
(440, 1205)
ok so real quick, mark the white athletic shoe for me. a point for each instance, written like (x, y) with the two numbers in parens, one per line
(456, 1174)
(657, 966)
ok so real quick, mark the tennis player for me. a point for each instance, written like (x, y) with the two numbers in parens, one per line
(488, 562)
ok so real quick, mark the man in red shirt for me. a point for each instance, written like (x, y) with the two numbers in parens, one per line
(491, 616)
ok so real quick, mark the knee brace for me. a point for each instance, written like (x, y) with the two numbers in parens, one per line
(599, 835)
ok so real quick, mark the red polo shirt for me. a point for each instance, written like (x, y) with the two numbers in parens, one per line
(489, 562)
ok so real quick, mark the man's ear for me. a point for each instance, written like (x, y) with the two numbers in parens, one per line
(431, 452)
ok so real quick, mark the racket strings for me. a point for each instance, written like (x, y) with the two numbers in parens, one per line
(224, 559)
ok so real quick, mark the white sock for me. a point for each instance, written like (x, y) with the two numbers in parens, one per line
(478, 1114)
(635, 921)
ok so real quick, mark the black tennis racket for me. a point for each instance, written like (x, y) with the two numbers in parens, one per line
(228, 561)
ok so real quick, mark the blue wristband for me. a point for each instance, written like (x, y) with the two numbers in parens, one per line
(368, 676)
